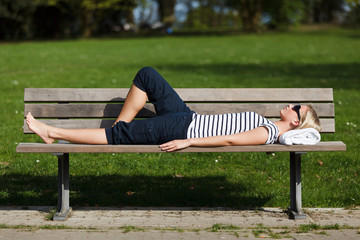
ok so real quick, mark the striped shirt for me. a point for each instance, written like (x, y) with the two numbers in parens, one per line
(231, 123)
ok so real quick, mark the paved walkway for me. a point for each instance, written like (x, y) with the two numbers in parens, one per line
(178, 223)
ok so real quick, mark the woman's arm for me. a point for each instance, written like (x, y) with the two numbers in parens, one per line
(256, 136)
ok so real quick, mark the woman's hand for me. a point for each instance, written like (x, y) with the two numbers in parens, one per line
(175, 145)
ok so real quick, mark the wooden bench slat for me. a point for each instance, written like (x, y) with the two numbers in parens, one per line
(83, 148)
(82, 110)
(187, 94)
(113, 110)
(328, 125)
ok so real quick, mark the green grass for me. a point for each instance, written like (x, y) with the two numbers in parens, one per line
(312, 227)
(218, 227)
(127, 229)
(324, 58)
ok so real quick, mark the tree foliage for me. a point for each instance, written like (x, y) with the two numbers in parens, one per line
(61, 18)
(353, 17)
(284, 13)
(92, 13)
(14, 19)
(26, 19)
(211, 13)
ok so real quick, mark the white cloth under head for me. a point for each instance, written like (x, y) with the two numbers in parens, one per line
(306, 136)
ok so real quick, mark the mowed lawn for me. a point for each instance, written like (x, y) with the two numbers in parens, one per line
(323, 58)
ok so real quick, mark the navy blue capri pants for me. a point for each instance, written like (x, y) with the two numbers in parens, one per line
(172, 120)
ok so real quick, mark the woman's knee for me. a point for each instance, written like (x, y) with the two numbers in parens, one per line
(147, 69)
(147, 73)
(148, 79)
(142, 78)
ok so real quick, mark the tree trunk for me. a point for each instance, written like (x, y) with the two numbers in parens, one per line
(190, 18)
(129, 15)
(250, 14)
(88, 18)
(167, 12)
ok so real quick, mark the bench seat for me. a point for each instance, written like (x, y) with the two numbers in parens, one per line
(327, 146)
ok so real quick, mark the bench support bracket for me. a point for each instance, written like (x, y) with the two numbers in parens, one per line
(295, 209)
(63, 208)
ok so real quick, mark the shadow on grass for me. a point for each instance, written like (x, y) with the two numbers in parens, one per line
(333, 75)
(133, 191)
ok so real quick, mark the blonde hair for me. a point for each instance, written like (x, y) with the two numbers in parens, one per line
(310, 120)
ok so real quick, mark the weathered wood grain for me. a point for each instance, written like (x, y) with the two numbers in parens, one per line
(187, 94)
(83, 148)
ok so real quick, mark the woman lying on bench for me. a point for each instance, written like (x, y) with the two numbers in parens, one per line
(176, 126)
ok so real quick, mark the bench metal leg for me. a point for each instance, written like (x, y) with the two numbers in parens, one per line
(63, 209)
(295, 209)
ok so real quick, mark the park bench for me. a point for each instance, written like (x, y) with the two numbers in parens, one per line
(98, 108)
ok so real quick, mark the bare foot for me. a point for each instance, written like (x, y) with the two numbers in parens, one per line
(41, 129)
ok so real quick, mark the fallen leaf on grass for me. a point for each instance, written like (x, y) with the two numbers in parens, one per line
(129, 193)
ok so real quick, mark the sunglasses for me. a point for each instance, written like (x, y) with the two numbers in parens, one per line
(296, 108)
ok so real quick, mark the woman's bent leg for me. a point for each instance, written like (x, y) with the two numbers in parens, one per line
(159, 92)
(49, 134)
(134, 102)
(148, 83)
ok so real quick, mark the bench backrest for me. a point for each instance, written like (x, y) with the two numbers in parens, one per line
(98, 108)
